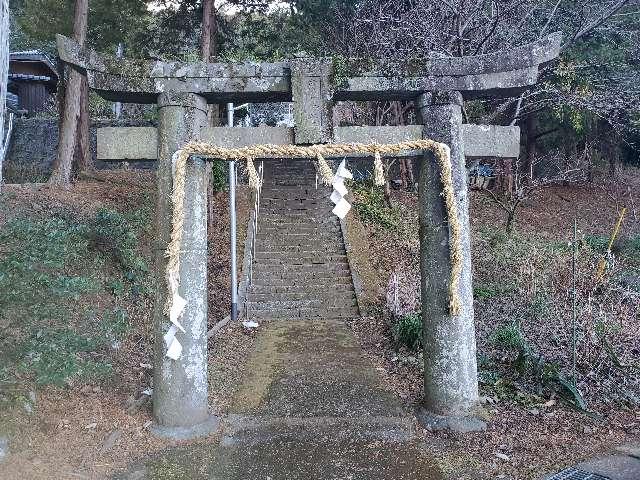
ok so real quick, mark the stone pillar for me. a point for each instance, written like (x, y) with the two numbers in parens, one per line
(450, 370)
(312, 94)
(180, 403)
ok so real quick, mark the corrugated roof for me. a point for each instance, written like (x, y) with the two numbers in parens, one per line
(34, 55)
(23, 76)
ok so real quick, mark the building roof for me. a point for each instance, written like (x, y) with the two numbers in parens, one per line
(35, 56)
(32, 78)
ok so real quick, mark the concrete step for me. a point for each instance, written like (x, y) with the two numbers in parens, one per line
(309, 241)
(297, 229)
(302, 313)
(298, 218)
(311, 304)
(307, 260)
(274, 249)
(317, 295)
(317, 268)
(339, 287)
(290, 278)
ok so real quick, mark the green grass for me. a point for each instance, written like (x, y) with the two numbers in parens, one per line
(372, 208)
(60, 355)
(509, 337)
(59, 279)
(407, 331)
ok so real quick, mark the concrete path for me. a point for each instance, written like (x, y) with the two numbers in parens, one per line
(311, 408)
(310, 405)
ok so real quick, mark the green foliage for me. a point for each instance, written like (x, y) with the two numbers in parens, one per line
(372, 207)
(599, 243)
(110, 22)
(483, 292)
(50, 273)
(34, 253)
(113, 233)
(56, 356)
(509, 337)
(633, 245)
(407, 330)
(115, 323)
(527, 362)
(220, 175)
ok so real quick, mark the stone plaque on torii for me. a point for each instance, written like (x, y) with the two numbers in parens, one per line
(437, 85)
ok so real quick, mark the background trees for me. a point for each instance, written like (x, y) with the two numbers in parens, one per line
(585, 106)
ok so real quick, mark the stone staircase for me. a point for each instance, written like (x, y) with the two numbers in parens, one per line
(300, 268)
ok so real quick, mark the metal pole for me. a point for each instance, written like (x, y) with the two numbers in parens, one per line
(230, 110)
(117, 107)
(234, 266)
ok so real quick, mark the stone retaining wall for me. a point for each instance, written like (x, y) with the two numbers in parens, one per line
(34, 144)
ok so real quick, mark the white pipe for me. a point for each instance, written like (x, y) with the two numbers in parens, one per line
(234, 266)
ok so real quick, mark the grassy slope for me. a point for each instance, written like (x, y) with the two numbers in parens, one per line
(75, 323)
(522, 290)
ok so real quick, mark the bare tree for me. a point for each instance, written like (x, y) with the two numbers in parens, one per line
(557, 171)
(72, 101)
(387, 30)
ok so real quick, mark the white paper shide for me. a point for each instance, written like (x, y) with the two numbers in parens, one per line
(342, 206)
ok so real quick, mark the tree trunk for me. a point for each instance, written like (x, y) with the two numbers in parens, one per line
(63, 165)
(209, 47)
(82, 153)
(4, 70)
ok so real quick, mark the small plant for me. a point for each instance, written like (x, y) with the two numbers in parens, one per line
(371, 206)
(220, 176)
(598, 243)
(484, 292)
(115, 323)
(407, 331)
(509, 337)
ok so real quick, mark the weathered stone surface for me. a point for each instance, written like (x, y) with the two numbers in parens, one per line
(450, 376)
(4, 70)
(309, 81)
(385, 87)
(631, 449)
(4, 448)
(180, 405)
(141, 81)
(127, 143)
(382, 134)
(539, 52)
(312, 95)
(130, 143)
(234, 137)
(491, 141)
(455, 423)
(479, 140)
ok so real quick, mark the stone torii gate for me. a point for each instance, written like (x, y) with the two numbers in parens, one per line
(182, 92)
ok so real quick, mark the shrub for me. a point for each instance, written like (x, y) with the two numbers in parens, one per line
(407, 330)
(55, 356)
(509, 337)
(371, 206)
(112, 233)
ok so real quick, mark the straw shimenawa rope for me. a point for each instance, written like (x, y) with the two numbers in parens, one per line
(441, 152)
